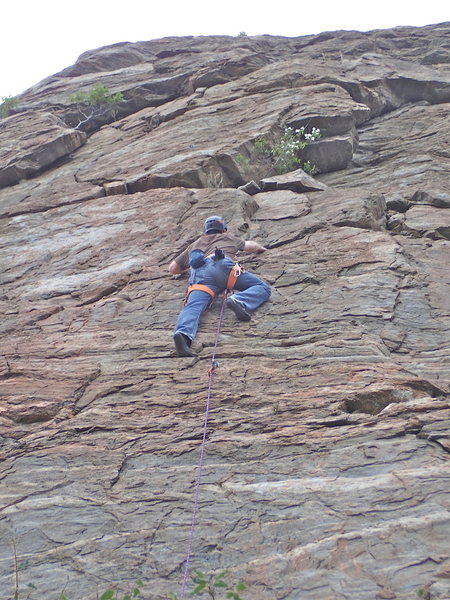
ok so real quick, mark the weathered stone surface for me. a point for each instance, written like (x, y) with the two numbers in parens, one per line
(32, 142)
(329, 155)
(115, 187)
(397, 203)
(428, 221)
(439, 199)
(258, 83)
(295, 181)
(251, 188)
(409, 147)
(327, 452)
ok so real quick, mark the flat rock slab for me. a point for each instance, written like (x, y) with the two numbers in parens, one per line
(295, 181)
(281, 205)
(429, 221)
(32, 142)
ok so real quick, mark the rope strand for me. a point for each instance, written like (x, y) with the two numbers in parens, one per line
(198, 479)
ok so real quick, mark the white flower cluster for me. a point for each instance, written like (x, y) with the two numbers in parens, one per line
(286, 152)
(314, 135)
(300, 133)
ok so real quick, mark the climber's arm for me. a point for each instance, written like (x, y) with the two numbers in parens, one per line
(175, 269)
(253, 247)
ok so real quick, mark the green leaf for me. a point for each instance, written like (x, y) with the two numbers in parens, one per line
(108, 595)
(172, 596)
(199, 577)
(127, 597)
(240, 587)
(233, 596)
(200, 573)
(219, 580)
(31, 586)
(199, 588)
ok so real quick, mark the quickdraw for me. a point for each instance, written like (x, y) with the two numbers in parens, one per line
(214, 365)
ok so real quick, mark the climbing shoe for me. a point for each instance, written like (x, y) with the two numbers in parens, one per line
(239, 309)
(182, 344)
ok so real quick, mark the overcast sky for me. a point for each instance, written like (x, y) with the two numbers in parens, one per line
(41, 37)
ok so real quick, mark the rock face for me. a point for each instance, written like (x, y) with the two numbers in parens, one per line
(327, 453)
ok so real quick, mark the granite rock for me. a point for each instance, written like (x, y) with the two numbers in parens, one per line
(326, 470)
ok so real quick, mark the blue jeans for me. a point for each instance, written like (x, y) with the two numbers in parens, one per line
(251, 292)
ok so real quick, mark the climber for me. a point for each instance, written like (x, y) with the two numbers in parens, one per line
(208, 259)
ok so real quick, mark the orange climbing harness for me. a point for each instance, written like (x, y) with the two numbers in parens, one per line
(236, 270)
(201, 288)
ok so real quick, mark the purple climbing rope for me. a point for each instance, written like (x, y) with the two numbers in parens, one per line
(198, 478)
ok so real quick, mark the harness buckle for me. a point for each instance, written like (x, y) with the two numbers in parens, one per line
(236, 270)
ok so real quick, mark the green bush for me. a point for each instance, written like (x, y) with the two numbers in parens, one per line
(285, 153)
(8, 103)
(213, 585)
(309, 168)
(97, 102)
(134, 593)
(242, 161)
(97, 96)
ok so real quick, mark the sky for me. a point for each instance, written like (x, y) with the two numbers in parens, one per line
(41, 37)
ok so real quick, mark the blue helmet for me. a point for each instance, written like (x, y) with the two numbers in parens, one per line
(214, 224)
